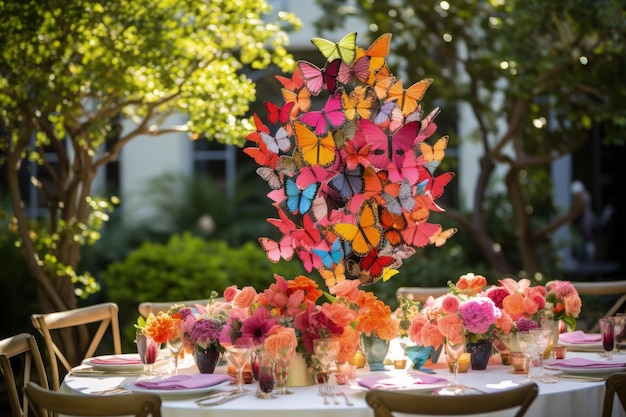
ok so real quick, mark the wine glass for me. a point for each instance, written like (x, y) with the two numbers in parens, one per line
(618, 330)
(326, 350)
(238, 356)
(265, 374)
(543, 336)
(529, 344)
(607, 330)
(148, 350)
(454, 350)
(175, 342)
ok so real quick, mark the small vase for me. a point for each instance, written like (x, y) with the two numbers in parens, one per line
(375, 350)
(148, 350)
(554, 337)
(206, 359)
(480, 352)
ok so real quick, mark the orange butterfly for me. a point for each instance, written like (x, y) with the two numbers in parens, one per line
(382, 81)
(377, 51)
(315, 150)
(440, 238)
(407, 99)
(358, 103)
(366, 234)
(301, 100)
(423, 205)
(433, 155)
(393, 225)
(333, 276)
(418, 235)
(296, 81)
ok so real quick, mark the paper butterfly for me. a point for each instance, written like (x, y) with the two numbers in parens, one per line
(386, 149)
(299, 201)
(309, 235)
(374, 265)
(359, 70)
(276, 250)
(355, 157)
(284, 224)
(366, 234)
(316, 79)
(345, 49)
(383, 80)
(309, 260)
(399, 197)
(275, 176)
(333, 276)
(358, 103)
(439, 239)
(377, 52)
(419, 234)
(332, 256)
(331, 116)
(314, 150)
(277, 114)
(301, 100)
(393, 225)
(295, 82)
(348, 182)
(279, 142)
(433, 155)
(407, 99)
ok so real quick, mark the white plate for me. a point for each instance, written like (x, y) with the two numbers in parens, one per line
(115, 367)
(176, 392)
(583, 347)
(585, 371)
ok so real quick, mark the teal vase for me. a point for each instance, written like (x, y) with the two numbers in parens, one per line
(375, 350)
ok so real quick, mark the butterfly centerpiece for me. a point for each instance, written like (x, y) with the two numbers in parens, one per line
(352, 181)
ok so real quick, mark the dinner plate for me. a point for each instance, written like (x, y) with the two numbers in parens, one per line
(112, 367)
(583, 347)
(585, 371)
(187, 392)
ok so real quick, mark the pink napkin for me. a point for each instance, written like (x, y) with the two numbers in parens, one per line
(113, 360)
(398, 382)
(580, 337)
(185, 381)
(585, 363)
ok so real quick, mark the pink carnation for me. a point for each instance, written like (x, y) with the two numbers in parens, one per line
(497, 294)
(479, 314)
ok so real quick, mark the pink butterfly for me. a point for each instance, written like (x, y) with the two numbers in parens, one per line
(309, 259)
(386, 149)
(331, 116)
(316, 79)
(408, 170)
(418, 234)
(276, 250)
(359, 70)
(284, 223)
(309, 175)
(309, 235)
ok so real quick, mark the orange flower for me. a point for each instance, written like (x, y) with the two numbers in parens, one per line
(349, 343)
(451, 326)
(245, 297)
(514, 305)
(307, 285)
(159, 327)
(470, 283)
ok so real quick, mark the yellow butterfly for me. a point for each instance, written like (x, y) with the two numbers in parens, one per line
(344, 49)
(377, 52)
(333, 277)
(366, 234)
(358, 103)
(407, 99)
(440, 238)
(434, 154)
(314, 150)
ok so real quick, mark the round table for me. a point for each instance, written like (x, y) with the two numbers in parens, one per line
(567, 397)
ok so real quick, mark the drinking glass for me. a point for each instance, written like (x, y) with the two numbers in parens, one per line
(607, 330)
(283, 359)
(175, 342)
(238, 356)
(618, 330)
(326, 350)
(266, 367)
(543, 337)
(529, 344)
(454, 352)
(148, 350)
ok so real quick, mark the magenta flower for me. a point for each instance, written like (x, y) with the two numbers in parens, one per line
(258, 326)
(479, 314)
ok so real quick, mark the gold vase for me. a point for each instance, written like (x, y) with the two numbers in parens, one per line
(298, 374)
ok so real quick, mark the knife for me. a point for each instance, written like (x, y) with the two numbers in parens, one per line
(222, 400)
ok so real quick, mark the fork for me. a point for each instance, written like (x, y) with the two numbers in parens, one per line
(332, 393)
(348, 402)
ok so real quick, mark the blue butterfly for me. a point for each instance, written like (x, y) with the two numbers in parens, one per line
(300, 201)
(329, 258)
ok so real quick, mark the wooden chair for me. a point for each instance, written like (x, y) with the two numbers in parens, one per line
(615, 384)
(385, 402)
(154, 307)
(22, 346)
(105, 313)
(601, 288)
(137, 403)
(421, 294)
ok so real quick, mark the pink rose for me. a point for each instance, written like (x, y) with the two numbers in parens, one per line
(230, 293)
(348, 288)
(431, 336)
(572, 304)
(415, 330)
(245, 297)
(451, 326)
(450, 304)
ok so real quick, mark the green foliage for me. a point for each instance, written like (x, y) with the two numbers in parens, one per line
(186, 267)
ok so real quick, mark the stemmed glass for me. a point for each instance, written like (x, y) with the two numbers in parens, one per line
(543, 336)
(238, 356)
(529, 344)
(607, 330)
(175, 342)
(454, 350)
(326, 350)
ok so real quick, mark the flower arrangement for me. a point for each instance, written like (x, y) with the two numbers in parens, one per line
(159, 327)
(352, 180)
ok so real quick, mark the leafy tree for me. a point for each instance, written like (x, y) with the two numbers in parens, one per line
(551, 71)
(71, 70)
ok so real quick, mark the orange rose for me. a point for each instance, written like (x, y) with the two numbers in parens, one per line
(431, 336)
(514, 305)
(415, 330)
(348, 288)
(339, 314)
(245, 297)
(451, 326)
(573, 305)
(349, 344)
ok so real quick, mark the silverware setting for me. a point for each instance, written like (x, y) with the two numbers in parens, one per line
(217, 399)
(345, 396)
(580, 378)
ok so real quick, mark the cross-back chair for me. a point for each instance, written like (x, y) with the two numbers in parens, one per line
(137, 404)
(615, 385)
(384, 403)
(105, 313)
(22, 346)
(421, 294)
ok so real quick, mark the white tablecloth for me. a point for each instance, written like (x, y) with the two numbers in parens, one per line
(565, 398)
